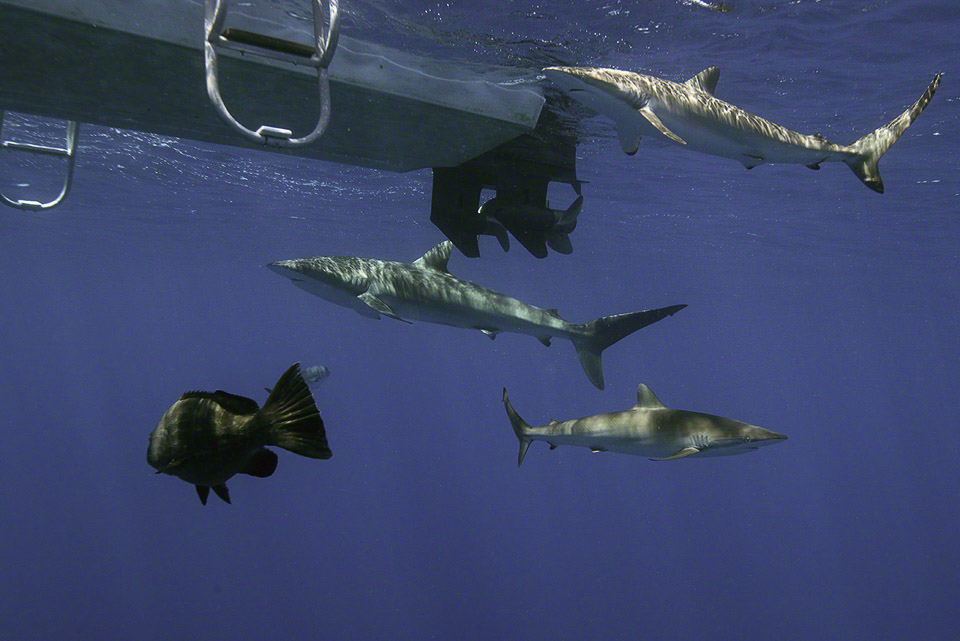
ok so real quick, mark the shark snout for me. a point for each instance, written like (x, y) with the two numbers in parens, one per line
(288, 268)
(760, 436)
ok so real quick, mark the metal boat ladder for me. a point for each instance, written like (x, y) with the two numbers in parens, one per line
(325, 36)
(69, 152)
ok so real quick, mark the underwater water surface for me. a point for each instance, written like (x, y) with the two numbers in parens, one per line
(817, 309)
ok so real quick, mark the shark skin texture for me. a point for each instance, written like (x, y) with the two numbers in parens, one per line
(689, 115)
(426, 291)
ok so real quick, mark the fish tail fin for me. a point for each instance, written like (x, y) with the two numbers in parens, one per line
(520, 427)
(293, 418)
(604, 332)
(871, 147)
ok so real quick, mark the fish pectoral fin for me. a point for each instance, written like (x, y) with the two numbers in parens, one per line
(553, 446)
(222, 491)
(203, 492)
(262, 464)
(377, 305)
(687, 451)
(814, 166)
(596, 449)
(652, 118)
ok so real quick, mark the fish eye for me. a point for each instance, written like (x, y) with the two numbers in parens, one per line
(748, 439)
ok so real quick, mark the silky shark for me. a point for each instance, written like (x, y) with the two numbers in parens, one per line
(646, 429)
(424, 290)
(689, 114)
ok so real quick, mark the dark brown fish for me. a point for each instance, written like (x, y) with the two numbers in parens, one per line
(205, 438)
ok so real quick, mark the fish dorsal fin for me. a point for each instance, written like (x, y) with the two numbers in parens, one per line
(436, 258)
(706, 80)
(647, 400)
(230, 402)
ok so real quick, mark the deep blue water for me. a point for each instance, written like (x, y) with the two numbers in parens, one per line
(817, 308)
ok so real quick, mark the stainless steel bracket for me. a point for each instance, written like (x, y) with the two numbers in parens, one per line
(69, 152)
(326, 29)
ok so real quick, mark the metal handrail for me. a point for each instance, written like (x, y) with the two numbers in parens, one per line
(70, 153)
(215, 15)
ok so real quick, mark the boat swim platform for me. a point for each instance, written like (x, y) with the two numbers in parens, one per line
(140, 65)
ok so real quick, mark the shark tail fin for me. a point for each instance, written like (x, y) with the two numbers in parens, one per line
(520, 427)
(293, 418)
(604, 332)
(871, 147)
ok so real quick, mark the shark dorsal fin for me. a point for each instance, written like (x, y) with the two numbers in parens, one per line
(647, 400)
(436, 258)
(706, 80)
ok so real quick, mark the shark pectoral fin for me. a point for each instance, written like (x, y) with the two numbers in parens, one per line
(365, 310)
(379, 306)
(545, 340)
(750, 161)
(651, 117)
(629, 140)
(687, 451)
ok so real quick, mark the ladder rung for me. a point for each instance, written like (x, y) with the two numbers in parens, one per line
(30, 204)
(41, 150)
(235, 37)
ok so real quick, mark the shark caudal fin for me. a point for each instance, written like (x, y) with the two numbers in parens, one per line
(520, 427)
(604, 332)
(293, 418)
(871, 147)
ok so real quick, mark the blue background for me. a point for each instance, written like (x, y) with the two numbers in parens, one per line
(817, 308)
